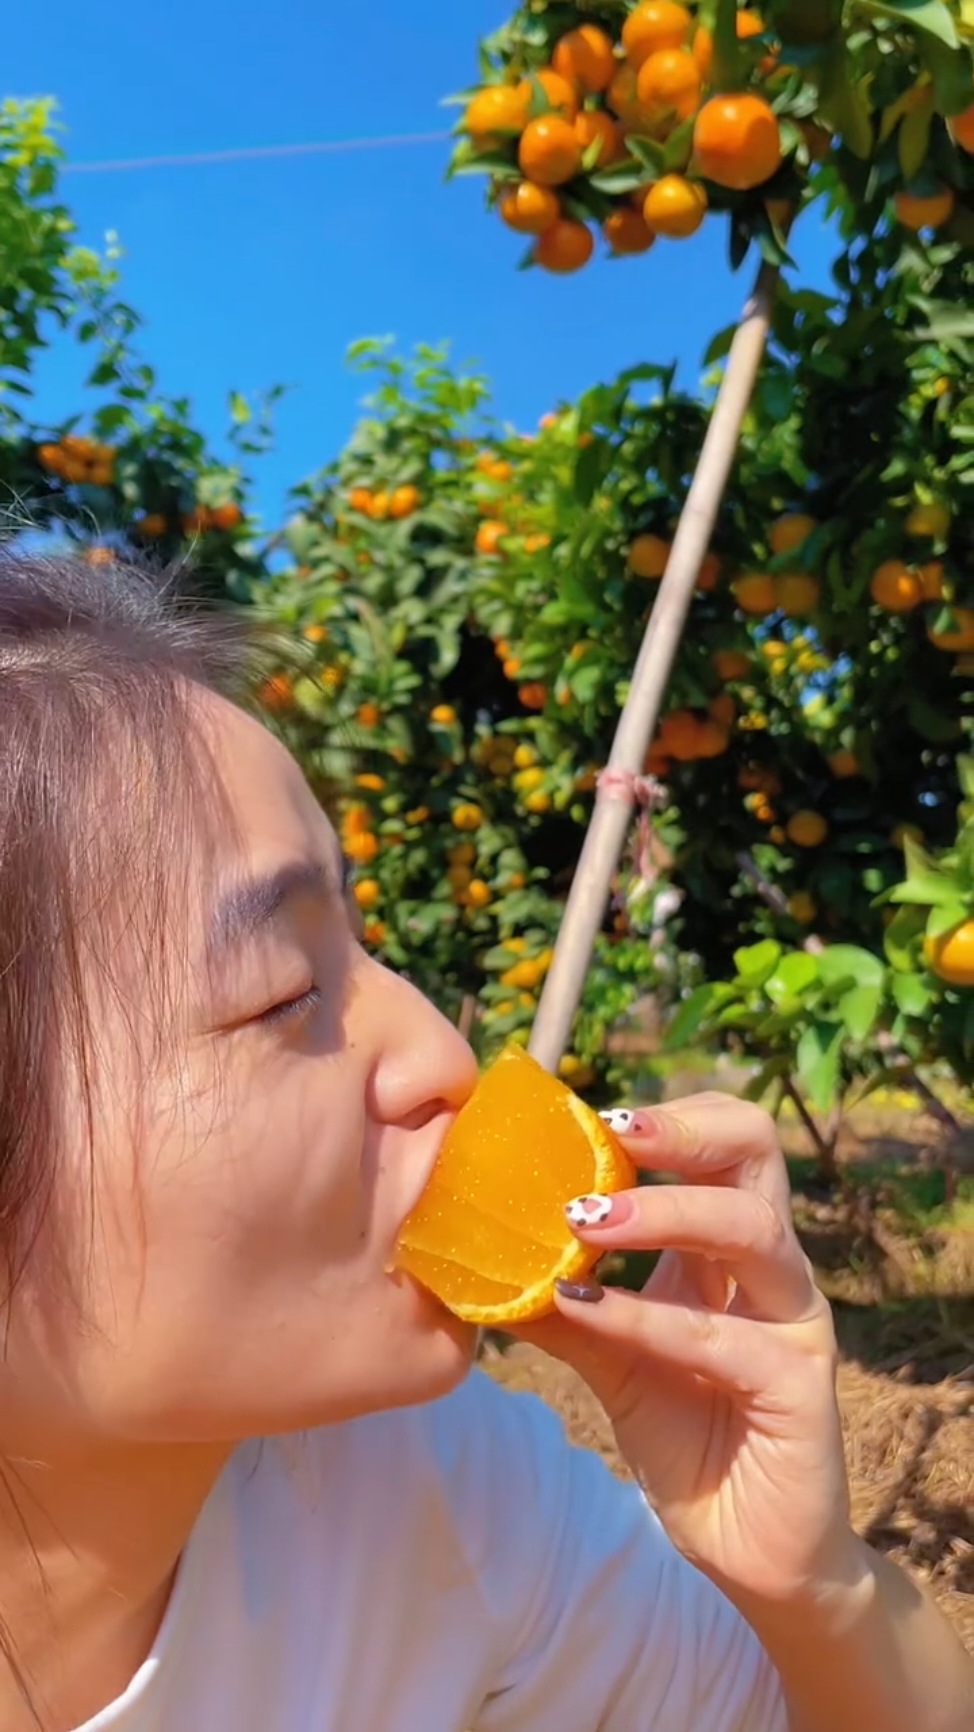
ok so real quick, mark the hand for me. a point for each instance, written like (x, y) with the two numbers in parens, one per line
(719, 1377)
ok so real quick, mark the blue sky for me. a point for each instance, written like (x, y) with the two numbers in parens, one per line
(258, 272)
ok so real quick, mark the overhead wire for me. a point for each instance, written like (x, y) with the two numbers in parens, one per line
(253, 153)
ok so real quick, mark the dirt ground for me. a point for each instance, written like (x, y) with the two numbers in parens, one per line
(904, 1307)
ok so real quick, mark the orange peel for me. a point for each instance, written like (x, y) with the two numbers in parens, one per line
(489, 1236)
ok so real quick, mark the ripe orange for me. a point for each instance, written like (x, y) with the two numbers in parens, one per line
(951, 956)
(669, 84)
(368, 715)
(499, 109)
(585, 57)
(549, 152)
(708, 576)
(895, 587)
(479, 894)
(360, 499)
(959, 636)
(594, 124)
(736, 141)
(226, 516)
(101, 474)
(403, 501)
(152, 525)
(530, 209)
(379, 508)
(652, 26)
(490, 535)
(622, 99)
(375, 932)
(802, 907)
(533, 695)
(276, 694)
(931, 578)
(929, 522)
(561, 92)
(961, 128)
(489, 1235)
(807, 829)
(924, 213)
(648, 556)
(797, 595)
(565, 247)
(675, 206)
(443, 715)
(844, 763)
(790, 531)
(466, 816)
(362, 849)
(722, 708)
(626, 232)
(678, 735)
(748, 24)
(730, 664)
(713, 739)
(755, 593)
(315, 633)
(367, 892)
(51, 457)
(197, 521)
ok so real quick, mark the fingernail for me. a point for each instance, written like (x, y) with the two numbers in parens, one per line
(596, 1211)
(582, 1292)
(627, 1124)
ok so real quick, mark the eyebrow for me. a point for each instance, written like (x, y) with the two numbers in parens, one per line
(247, 908)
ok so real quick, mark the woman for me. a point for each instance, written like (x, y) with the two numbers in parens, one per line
(250, 1483)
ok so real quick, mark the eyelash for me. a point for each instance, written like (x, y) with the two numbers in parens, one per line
(293, 1006)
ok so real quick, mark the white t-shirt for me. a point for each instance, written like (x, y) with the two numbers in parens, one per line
(449, 1568)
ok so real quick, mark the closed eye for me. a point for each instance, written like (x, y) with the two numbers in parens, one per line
(305, 1001)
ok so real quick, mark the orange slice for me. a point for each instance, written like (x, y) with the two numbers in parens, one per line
(489, 1235)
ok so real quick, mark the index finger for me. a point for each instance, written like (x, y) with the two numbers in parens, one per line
(708, 1138)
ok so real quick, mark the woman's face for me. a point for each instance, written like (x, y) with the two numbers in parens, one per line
(235, 1224)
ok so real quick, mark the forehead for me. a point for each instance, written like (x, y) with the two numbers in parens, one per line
(268, 800)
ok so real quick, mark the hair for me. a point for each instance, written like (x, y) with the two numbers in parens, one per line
(100, 767)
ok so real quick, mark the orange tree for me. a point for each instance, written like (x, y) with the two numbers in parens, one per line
(129, 472)
(635, 120)
(468, 600)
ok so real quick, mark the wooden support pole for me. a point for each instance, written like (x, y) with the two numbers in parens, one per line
(612, 815)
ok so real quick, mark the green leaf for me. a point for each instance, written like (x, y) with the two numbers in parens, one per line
(692, 1014)
(910, 994)
(841, 962)
(965, 775)
(818, 1057)
(757, 963)
(946, 917)
(913, 138)
(859, 1009)
(793, 976)
(900, 940)
(930, 16)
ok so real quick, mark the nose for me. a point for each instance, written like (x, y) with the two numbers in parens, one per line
(423, 1067)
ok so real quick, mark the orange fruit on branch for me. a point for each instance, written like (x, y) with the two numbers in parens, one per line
(489, 1236)
(951, 956)
(593, 124)
(549, 152)
(565, 247)
(226, 516)
(655, 25)
(627, 232)
(928, 211)
(843, 763)
(403, 501)
(561, 92)
(736, 142)
(648, 556)
(790, 531)
(669, 84)
(929, 522)
(586, 59)
(895, 587)
(959, 636)
(731, 664)
(797, 595)
(675, 206)
(499, 109)
(490, 535)
(961, 129)
(755, 593)
(807, 829)
(530, 209)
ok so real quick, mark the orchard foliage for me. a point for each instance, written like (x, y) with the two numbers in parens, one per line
(131, 475)
(637, 119)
